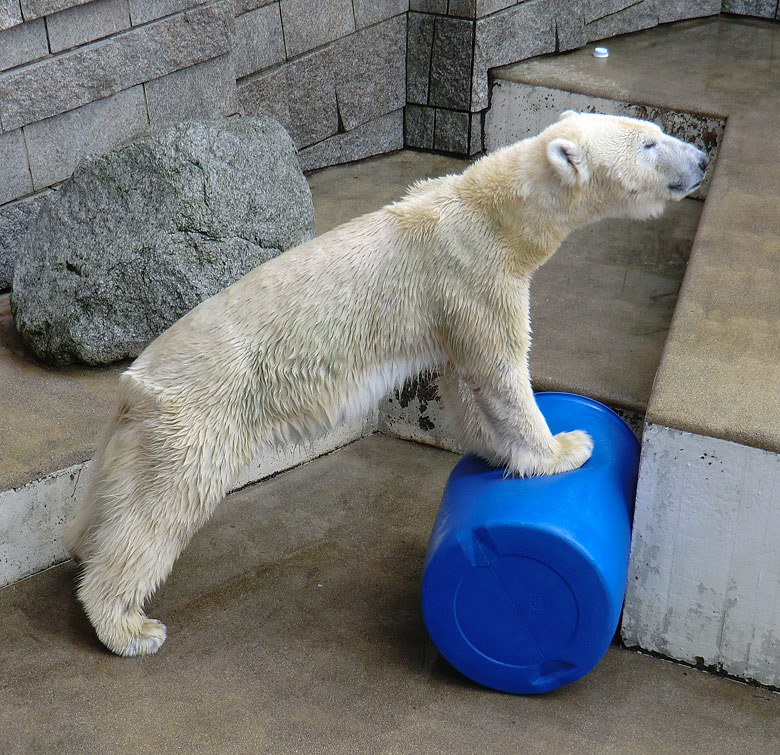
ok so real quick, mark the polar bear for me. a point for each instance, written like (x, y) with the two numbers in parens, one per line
(439, 280)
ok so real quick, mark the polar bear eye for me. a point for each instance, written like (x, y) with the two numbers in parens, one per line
(650, 144)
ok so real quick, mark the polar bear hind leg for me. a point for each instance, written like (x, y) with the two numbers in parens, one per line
(153, 486)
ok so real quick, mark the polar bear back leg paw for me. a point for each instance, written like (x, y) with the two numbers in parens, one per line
(147, 641)
(130, 634)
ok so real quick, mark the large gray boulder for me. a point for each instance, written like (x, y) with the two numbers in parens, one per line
(15, 219)
(139, 236)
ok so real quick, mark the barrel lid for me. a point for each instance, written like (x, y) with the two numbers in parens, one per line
(517, 611)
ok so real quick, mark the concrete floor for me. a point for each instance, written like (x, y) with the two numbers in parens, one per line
(294, 627)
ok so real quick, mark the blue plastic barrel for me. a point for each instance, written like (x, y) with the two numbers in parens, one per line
(524, 579)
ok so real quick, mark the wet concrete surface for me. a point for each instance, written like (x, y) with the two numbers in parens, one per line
(295, 627)
(602, 305)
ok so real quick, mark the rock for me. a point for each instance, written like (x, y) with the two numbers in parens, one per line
(138, 237)
(15, 218)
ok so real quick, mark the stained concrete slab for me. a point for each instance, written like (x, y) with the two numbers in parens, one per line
(295, 627)
(344, 192)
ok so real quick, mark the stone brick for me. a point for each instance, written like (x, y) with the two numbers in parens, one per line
(429, 6)
(311, 97)
(10, 13)
(463, 8)
(384, 134)
(486, 7)
(419, 42)
(23, 43)
(569, 25)
(676, 10)
(267, 94)
(369, 12)
(418, 126)
(370, 72)
(56, 145)
(37, 8)
(640, 16)
(451, 131)
(451, 56)
(595, 9)
(103, 68)
(204, 91)
(143, 11)
(85, 23)
(14, 171)
(259, 41)
(14, 220)
(301, 95)
(244, 6)
(761, 8)
(506, 37)
(475, 137)
(308, 25)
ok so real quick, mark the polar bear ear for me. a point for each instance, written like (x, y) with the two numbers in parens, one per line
(569, 161)
(567, 114)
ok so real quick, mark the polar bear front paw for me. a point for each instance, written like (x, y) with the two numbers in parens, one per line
(562, 453)
(573, 450)
(140, 638)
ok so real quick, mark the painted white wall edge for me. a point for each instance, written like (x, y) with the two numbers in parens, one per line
(704, 576)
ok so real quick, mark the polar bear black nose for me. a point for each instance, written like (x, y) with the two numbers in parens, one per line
(704, 161)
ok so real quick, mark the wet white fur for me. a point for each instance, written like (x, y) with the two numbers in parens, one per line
(439, 280)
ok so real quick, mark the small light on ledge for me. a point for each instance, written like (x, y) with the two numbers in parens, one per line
(601, 52)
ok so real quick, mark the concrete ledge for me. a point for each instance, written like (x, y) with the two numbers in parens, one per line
(33, 517)
(703, 579)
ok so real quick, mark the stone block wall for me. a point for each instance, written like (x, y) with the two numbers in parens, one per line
(452, 45)
(78, 77)
(338, 81)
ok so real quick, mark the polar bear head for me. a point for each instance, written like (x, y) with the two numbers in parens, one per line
(612, 166)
